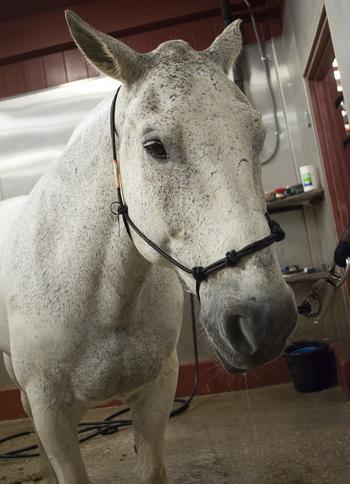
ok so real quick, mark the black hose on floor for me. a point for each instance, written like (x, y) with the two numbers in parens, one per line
(112, 423)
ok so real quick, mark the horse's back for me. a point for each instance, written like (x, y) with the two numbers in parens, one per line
(9, 211)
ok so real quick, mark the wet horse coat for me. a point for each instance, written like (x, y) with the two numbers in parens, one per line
(87, 314)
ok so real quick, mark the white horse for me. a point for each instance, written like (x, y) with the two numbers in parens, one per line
(86, 313)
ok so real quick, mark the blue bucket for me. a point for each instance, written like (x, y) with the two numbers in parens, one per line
(310, 364)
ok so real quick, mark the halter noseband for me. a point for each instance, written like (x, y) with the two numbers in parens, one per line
(199, 273)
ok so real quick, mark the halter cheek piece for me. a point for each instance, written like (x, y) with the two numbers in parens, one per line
(199, 273)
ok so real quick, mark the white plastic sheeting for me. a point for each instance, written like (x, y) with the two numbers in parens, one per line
(35, 128)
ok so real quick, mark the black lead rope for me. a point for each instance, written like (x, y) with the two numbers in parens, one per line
(199, 273)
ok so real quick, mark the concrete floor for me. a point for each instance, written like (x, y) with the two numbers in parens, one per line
(270, 435)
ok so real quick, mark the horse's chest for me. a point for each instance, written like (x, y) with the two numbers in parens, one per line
(123, 362)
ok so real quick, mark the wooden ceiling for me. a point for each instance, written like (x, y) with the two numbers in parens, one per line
(12, 10)
(29, 28)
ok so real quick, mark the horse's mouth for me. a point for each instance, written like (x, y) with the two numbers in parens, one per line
(229, 366)
(259, 358)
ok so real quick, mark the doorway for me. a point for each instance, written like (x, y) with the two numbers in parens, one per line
(332, 127)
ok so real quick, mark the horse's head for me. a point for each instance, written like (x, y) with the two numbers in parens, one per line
(189, 145)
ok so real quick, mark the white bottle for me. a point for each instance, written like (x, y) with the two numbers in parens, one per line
(309, 177)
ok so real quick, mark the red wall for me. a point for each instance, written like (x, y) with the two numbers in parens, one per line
(36, 51)
(69, 65)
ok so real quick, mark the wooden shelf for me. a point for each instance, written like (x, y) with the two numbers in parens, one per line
(304, 277)
(295, 202)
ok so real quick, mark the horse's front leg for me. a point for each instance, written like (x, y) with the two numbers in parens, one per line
(150, 410)
(46, 469)
(56, 422)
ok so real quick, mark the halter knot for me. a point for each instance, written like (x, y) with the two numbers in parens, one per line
(276, 230)
(232, 258)
(122, 209)
(198, 273)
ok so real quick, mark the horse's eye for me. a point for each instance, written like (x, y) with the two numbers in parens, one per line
(156, 149)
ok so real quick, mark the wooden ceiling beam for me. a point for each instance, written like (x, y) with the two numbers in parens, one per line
(47, 32)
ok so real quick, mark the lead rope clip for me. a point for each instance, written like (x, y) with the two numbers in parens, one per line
(322, 292)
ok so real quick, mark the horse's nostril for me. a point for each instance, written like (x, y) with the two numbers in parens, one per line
(238, 334)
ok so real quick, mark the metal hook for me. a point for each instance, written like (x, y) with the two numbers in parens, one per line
(322, 291)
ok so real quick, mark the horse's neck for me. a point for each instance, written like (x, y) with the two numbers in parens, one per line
(78, 192)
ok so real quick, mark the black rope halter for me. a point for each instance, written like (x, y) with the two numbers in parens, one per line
(199, 273)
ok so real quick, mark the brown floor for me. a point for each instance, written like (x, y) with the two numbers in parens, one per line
(266, 436)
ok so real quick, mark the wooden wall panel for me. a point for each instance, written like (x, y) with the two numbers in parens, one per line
(55, 70)
(182, 31)
(320, 105)
(335, 157)
(139, 42)
(14, 79)
(91, 70)
(69, 65)
(75, 65)
(331, 133)
(156, 37)
(2, 83)
(203, 33)
(34, 74)
(218, 24)
(177, 19)
(43, 32)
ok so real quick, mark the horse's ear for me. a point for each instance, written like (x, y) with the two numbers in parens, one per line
(227, 46)
(107, 54)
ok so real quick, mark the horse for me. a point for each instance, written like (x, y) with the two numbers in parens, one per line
(88, 313)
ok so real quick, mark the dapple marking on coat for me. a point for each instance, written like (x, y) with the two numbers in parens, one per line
(86, 314)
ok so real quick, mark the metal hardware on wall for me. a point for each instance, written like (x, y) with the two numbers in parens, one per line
(308, 119)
